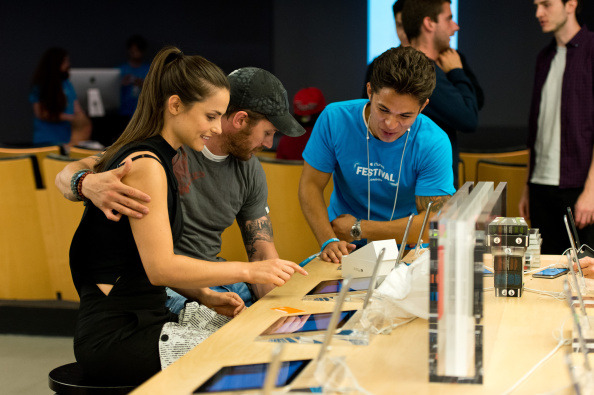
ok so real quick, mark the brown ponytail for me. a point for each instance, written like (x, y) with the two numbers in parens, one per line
(192, 78)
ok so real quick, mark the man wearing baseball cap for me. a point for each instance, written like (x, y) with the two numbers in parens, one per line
(217, 185)
(308, 103)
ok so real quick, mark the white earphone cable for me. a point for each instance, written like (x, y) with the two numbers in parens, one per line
(399, 171)
(368, 179)
(369, 171)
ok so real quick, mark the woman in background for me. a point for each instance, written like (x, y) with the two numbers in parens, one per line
(120, 269)
(56, 110)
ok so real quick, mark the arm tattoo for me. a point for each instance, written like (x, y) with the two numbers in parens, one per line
(438, 202)
(259, 229)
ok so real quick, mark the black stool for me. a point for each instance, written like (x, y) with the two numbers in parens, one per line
(68, 380)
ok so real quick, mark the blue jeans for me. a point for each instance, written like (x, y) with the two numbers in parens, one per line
(176, 302)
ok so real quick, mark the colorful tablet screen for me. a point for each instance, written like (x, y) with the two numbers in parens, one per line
(244, 377)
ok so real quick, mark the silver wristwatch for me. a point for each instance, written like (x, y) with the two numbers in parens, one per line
(356, 230)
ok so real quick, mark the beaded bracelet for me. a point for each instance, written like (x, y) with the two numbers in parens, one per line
(76, 183)
(79, 185)
(332, 240)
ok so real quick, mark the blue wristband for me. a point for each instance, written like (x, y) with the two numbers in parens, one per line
(309, 259)
(332, 240)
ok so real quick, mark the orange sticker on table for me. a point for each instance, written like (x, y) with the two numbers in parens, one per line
(288, 310)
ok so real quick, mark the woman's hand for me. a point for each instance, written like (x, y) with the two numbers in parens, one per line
(225, 303)
(272, 271)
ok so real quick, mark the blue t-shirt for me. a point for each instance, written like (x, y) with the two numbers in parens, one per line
(338, 145)
(129, 93)
(54, 133)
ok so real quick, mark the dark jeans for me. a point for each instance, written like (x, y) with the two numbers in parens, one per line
(548, 205)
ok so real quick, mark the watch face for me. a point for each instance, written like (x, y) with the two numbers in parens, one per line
(356, 230)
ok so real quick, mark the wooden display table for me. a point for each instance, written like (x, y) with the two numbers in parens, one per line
(518, 334)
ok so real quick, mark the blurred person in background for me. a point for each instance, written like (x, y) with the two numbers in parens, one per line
(58, 117)
(133, 72)
(308, 103)
(454, 104)
(561, 128)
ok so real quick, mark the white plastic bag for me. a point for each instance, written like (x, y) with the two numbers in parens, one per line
(409, 286)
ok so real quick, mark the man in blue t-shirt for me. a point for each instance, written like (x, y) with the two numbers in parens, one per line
(387, 160)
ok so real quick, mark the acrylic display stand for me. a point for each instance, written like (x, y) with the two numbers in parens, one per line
(457, 244)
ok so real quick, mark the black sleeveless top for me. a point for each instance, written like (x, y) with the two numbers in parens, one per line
(117, 334)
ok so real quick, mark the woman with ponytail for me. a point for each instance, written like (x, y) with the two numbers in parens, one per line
(55, 106)
(124, 333)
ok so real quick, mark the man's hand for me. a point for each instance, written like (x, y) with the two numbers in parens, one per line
(342, 226)
(584, 209)
(336, 250)
(587, 265)
(449, 60)
(524, 204)
(107, 192)
(225, 303)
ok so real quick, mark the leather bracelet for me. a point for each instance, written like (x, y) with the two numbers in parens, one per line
(332, 240)
(74, 181)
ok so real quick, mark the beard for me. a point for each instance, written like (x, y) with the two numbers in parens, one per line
(239, 145)
(443, 44)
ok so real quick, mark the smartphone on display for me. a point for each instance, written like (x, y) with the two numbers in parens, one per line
(583, 251)
(551, 273)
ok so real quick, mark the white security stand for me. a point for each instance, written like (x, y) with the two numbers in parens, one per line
(361, 262)
(95, 102)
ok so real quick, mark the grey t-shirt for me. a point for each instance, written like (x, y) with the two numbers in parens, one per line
(213, 194)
